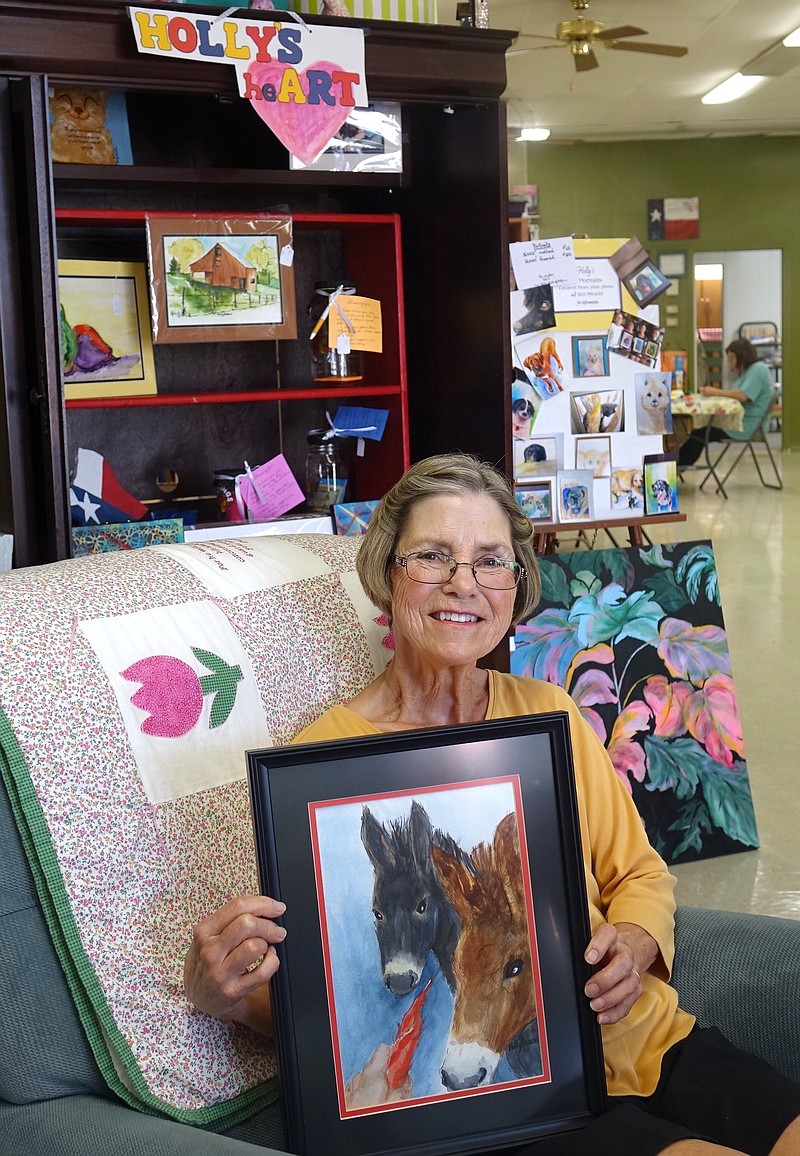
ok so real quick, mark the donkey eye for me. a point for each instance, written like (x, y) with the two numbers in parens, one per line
(378, 914)
(513, 967)
(422, 907)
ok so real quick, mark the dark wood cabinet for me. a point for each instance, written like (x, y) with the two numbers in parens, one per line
(431, 243)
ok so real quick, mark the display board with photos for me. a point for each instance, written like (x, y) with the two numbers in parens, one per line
(590, 402)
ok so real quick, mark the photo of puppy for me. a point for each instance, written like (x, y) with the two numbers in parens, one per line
(653, 403)
(522, 414)
(627, 489)
(538, 312)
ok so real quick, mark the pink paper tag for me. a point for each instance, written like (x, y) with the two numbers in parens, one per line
(270, 491)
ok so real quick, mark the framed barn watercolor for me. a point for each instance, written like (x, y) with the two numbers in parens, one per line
(221, 278)
(106, 349)
(375, 985)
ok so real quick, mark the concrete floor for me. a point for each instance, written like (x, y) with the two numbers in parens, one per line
(756, 539)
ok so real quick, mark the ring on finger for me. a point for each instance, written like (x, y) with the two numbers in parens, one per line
(255, 964)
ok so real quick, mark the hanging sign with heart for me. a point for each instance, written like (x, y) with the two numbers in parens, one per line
(303, 80)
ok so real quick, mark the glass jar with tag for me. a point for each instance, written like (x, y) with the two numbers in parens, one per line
(327, 470)
(334, 363)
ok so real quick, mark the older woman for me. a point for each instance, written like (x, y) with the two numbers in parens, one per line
(448, 556)
(753, 387)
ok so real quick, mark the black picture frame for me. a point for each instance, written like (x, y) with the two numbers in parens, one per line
(330, 992)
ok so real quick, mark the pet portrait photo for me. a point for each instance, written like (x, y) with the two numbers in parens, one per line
(599, 412)
(653, 403)
(575, 495)
(543, 364)
(536, 501)
(532, 310)
(627, 489)
(593, 453)
(590, 355)
(524, 407)
(540, 457)
(660, 484)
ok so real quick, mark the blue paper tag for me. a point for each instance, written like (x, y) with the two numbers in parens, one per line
(359, 422)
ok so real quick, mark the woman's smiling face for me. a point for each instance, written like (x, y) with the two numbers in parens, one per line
(454, 622)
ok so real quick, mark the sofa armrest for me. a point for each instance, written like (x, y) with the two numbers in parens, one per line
(91, 1126)
(739, 973)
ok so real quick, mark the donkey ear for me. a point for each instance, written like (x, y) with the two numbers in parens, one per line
(456, 880)
(376, 842)
(421, 832)
(509, 861)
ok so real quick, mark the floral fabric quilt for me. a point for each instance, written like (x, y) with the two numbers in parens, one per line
(131, 685)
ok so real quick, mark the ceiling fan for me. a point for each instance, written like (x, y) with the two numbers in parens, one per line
(581, 34)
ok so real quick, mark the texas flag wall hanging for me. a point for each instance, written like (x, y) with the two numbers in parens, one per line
(673, 219)
(97, 497)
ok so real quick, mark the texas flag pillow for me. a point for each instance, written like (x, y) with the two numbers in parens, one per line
(96, 495)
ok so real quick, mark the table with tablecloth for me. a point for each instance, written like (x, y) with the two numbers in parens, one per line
(696, 410)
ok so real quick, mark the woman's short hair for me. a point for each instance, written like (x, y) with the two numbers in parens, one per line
(454, 473)
(744, 352)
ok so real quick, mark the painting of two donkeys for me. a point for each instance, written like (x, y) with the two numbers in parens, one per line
(637, 638)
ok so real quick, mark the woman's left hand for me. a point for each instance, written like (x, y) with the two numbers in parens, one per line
(622, 953)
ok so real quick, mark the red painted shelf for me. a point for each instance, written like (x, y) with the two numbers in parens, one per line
(230, 398)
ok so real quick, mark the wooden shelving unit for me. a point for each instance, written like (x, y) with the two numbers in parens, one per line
(430, 243)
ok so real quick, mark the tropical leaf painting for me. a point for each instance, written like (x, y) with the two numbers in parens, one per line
(638, 640)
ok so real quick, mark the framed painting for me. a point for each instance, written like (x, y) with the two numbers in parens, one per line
(601, 412)
(106, 349)
(660, 484)
(590, 355)
(536, 501)
(221, 278)
(368, 1021)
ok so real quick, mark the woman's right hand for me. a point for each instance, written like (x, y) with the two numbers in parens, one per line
(219, 975)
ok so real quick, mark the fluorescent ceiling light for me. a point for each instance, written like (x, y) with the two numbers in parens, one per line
(731, 89)
(792, 40)
(708, 272)
(534, 134)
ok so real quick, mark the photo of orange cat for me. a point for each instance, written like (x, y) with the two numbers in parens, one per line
(81, 129)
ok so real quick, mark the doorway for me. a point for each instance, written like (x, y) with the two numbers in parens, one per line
(731, 289)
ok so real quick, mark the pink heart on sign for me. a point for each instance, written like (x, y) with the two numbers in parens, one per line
(305, 129)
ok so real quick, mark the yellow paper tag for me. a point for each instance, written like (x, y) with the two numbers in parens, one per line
(364, 314)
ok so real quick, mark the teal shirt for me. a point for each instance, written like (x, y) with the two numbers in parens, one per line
(757, 383)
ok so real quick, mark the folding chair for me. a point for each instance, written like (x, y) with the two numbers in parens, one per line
(758, 436)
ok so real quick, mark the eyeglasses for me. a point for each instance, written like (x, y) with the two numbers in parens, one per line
(435, 568)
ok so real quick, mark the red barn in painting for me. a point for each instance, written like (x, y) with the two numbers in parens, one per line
(220, 266)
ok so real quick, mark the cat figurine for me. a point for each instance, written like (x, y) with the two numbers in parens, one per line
(78, 131)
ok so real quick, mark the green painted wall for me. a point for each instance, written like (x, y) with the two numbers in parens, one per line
(749, 190)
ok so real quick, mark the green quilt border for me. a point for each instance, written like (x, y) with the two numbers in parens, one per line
(94, 1013)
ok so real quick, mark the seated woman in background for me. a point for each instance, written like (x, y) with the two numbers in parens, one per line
(754, 388)
(448, 557)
